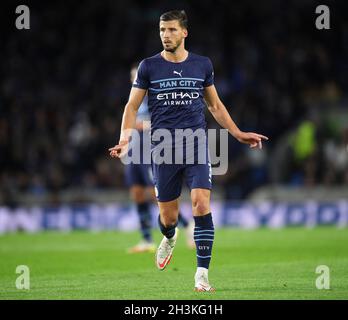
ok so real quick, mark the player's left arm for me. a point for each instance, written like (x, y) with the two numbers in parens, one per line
(221, 115)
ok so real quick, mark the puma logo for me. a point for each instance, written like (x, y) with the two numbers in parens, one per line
(179, 73)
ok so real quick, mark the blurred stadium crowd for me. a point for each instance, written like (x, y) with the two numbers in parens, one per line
(65, 81)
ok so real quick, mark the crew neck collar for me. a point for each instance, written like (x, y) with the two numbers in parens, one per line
(188, 55)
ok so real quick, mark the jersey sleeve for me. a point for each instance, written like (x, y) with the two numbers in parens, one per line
(209, 75)
(142, 78)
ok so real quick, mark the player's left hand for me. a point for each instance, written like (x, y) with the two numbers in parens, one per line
(254, 140)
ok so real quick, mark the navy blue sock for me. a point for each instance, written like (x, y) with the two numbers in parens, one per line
(167, 231)
(204, 238)
(145, 220)
(182, 220)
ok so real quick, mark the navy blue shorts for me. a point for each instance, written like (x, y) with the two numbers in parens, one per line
(138, 174)
(168, 179)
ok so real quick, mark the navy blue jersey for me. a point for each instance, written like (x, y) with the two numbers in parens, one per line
(175, 90)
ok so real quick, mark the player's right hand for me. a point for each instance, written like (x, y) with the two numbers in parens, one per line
(119, 150)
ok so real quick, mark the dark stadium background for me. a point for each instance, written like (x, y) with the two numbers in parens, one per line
(65, 81)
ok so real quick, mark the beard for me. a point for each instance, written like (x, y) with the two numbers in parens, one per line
(174, 48)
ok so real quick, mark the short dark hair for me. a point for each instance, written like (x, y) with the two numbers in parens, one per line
(179, 15)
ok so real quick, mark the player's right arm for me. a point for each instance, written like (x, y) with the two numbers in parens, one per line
(128, 122)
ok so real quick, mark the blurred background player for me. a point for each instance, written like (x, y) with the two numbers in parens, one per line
(140, 182)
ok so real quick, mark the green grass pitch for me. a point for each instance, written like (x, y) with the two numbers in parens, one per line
(246, 264)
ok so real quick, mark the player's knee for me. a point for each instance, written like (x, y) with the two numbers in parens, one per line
(169, 223)
(200, 206)
(168, 219)
(138, 195)
(139, 198)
